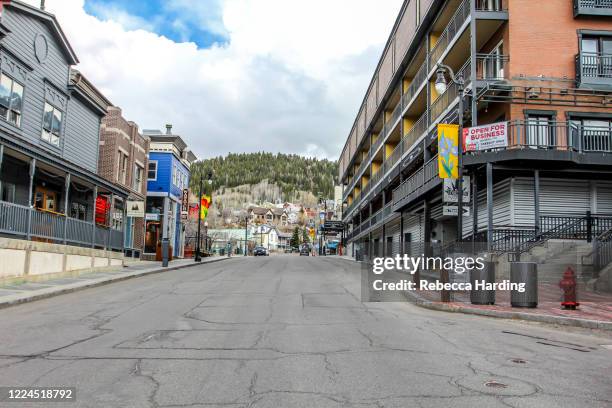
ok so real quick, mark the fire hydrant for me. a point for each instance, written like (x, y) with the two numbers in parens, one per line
(568, 284)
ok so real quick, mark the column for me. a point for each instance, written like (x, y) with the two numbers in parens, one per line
(489, 206)
(474, 205)
(30, 196)
(536, 200)
(66, 197)
(93, 217)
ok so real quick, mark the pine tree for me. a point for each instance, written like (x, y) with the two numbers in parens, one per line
(295, 238)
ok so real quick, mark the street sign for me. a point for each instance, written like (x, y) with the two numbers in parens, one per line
(451, 211)
(450, 190)
(152, 217)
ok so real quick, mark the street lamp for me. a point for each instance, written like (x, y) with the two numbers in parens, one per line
(441, 86)
(198, 257)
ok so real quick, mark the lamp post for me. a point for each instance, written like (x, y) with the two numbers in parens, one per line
(441, 86)
(246, 234)
(198, 257)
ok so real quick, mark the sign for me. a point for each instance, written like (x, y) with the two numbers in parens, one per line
(185, 202)
(485, 137)
(452, 211)
(322, 215)
(335, 226)
(135, 209)
(152, 217)
(448, 158)
(449, 192)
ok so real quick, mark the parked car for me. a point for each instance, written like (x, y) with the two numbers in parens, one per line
(260, 251)
(305, 251)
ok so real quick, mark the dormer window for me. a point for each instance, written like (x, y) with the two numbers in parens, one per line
(11, 100)
(52, 124)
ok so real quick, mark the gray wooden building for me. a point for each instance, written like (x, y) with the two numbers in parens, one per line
(49, 139)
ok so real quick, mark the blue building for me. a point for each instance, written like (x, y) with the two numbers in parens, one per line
(167, 177)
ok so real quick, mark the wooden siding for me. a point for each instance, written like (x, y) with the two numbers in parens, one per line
(81, 135)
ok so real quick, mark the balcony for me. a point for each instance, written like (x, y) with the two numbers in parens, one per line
(25, 221)
(592, 8)
(452, 29)
(594, 70)
(416, 185)
(547, 140)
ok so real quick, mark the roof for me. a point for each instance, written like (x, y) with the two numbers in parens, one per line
(278, 211)
(51, 22)
(259, 210)
(80, 84)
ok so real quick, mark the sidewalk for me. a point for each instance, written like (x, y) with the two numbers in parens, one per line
(11, 295)
(595, 311)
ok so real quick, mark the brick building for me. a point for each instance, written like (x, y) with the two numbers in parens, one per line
(541, 69)
(123, 161)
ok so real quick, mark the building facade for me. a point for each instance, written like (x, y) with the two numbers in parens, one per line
(123, 160)
(541, 69)
(168, 174)
(49, 131)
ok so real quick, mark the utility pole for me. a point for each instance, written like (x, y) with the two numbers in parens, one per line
(198, 257)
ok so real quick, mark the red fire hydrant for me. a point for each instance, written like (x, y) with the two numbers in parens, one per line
(568, 284)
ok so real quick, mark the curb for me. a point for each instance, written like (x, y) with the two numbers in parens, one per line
(500, 314)
(52, 292)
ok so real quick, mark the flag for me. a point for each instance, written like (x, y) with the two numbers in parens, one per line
(204, 205)
(448, 158)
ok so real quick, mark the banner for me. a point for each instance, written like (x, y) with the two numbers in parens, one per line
(204, 205)
(485, 137)
(448, 159)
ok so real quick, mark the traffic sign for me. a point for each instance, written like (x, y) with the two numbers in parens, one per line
(452, 211)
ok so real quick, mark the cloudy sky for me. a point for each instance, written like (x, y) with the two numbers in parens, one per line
(233, 75)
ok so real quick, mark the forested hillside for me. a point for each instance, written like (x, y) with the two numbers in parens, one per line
(290, 172)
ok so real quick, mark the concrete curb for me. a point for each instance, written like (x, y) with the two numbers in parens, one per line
(74, 287)
(501, 314)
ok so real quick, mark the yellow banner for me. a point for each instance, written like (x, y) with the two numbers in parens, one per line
(448, 148)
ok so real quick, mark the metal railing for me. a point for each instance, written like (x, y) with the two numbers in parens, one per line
(591, 65)
(443, 101)
(550, 135)
(602, 251)
(491, 67)
(422, 176)
(15, 220)
(490, 5)
(419, 78)
(419, 127)
(452, 29)
(592, 4)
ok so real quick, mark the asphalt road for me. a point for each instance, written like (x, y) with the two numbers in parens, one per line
(288, 331)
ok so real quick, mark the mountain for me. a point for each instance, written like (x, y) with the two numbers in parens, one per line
(292, 174)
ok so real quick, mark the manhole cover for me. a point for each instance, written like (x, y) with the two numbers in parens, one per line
(495, 384)
(519, 361)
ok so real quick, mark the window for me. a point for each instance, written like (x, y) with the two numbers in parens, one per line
(78, 211)
(596, 56)
(52, 124)
(540, 129)
(152, 171)
(11, 100)
(7, 192)
(122, 164)
(591, 134)
(137, 181)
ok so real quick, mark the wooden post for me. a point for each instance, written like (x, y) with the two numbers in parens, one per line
(30, 197)
(66, 192)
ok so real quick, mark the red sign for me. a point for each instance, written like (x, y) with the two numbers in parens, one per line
(491, 136)
(102, 210)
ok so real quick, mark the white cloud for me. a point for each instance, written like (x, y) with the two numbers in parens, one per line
(290, 79)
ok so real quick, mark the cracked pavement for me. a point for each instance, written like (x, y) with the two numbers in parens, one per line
(289, 331)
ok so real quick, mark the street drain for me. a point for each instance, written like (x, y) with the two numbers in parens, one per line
(495, 384)
(519, 361)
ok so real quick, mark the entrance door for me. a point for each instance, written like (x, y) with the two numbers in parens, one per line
(45, 199)
(152, 236)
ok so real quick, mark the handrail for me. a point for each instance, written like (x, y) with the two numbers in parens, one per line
(543, 237)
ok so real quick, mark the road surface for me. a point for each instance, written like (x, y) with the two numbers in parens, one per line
(288, 331)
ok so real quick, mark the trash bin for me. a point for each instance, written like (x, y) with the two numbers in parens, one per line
(486, 275)
(527, 273)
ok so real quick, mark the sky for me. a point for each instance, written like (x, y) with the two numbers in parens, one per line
(233, 75)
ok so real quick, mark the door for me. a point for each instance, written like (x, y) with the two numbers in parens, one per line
(539, 132)
(45, 199)
(596, 56)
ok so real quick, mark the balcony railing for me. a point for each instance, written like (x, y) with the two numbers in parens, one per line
(489, 5)
(420, 178)
(461, 15)
(491, 67)
(593, 69)
(443, 101)
(417, 81)
(419, 127)
(569, 136)
(593, 7)
(24, 221)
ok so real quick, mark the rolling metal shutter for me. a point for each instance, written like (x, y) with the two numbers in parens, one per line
(603, 203)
